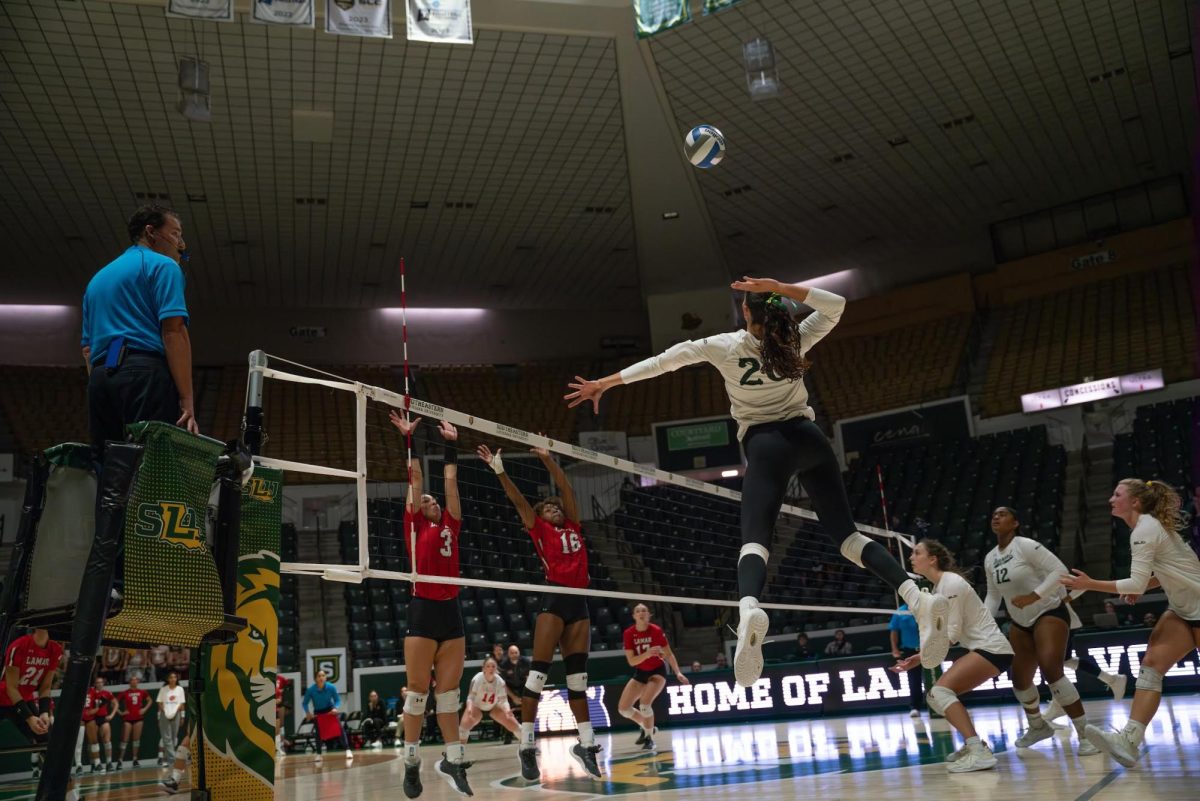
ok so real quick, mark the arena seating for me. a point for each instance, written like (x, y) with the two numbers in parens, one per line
(690, 392)
(859, 375)
(1159, 448)
(1133, 322)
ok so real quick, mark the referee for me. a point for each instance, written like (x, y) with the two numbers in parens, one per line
(135, 337)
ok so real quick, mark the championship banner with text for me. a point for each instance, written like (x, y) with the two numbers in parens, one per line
(359, 18)
(292, 13)
(713, 6)
(211, 10)
(239, 695)
(656, 16)
(440, 21)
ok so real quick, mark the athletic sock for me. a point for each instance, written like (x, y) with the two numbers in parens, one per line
(456, 753)
(526, 735)
(1079, 723)
(587, 737)
(412, 755)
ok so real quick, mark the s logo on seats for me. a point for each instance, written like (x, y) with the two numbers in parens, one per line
(171, 521)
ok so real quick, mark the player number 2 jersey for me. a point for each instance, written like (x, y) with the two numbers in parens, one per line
(437, 553)
(563, 552)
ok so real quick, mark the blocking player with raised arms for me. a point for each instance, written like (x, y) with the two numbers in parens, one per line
(436, 641)
(1025, 576)
(763, 366)
(133, 705)
(989, 653)
(564, 620)
(648, 652)
(1159, 557)
(29, 667)
(487, 694)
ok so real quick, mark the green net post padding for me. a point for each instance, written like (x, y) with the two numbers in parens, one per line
(239, 679)
(172, 590)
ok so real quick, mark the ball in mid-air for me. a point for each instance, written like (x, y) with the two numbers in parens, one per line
(705, 146)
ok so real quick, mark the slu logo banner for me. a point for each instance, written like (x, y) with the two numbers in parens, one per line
(170, 521)
(261, 489)
(330, 660)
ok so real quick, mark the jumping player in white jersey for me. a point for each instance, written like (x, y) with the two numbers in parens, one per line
(1025, 575)
(487, 694)
(989, 654)
(763, 366)
(1160, 557)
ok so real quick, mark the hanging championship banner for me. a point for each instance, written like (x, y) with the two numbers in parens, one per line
(445, 21)
(293, 13)
(211, 10)
(713, 6)
(359, 18)
(656, 16)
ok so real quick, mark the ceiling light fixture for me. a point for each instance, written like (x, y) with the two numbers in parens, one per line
(670, 215)
(436, 314)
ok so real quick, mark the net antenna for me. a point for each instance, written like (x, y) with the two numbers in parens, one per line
(896, 537)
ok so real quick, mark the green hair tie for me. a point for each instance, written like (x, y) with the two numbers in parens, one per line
(776, 300)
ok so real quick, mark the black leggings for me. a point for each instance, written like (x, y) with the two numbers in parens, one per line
(774, 453)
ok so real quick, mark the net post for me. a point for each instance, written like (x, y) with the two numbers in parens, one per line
(252, 432)
(360, 446)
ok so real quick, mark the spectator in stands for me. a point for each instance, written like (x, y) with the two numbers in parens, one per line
(1149, 619)
(721, 661)
(906, 641)
(514, 670)
(839, 645)
(498, 652)
(375, 723)
(802, 650)
(697, 667)
(135, 339)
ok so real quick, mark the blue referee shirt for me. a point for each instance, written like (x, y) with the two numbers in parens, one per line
(319, 700)
(130, 297)
(910, 636)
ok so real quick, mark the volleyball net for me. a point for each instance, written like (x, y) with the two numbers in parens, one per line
(651, 535)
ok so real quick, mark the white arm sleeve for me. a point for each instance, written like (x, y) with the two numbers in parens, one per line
(1143, 544)
(680, 355)
(993, 598)
(828, 308)
(1047, 563)
(957, 604)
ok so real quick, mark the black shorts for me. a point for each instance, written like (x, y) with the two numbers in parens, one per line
(643, 676)
(11, 713)
(1059, 612)
(1002, 661)
(435, 620)
(571, 608)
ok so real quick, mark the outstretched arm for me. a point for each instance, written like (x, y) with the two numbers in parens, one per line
(416, 481)
(492, 460)
(559, 476)
(450, 469)
(674, 357)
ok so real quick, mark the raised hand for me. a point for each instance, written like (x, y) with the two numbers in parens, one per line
(492, 460)
(584, 390)
(448, 431)
(748, 284)
(405, 424)
(540, 452)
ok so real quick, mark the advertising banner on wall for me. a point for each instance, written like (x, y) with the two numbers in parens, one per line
(948, 419)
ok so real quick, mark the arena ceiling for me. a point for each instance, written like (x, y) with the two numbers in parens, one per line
(532, 169)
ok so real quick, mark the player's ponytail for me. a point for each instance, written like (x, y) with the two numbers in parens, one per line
(1159, 500)
(781, 344)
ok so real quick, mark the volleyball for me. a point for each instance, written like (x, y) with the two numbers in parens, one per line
(705, 146)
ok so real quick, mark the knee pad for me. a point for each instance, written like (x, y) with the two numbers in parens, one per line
(1028, 697)
(852, 547)
(446, 702)
(414, 703)
(1064, 692)
(627, 712)
(753, 548)
(576, 666)
(941, 698)
(1149, 679)
(536, 680)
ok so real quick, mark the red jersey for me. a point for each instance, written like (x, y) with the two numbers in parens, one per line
(562, 551)
(33, 663)
(133, 701)
(281, 685)
(99, 704)
(437, 553)
(642, 641)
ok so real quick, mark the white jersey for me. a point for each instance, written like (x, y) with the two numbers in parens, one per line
(171, 700)
(969, 623)
(754, 396)
(1156, 551)
(487, 694)
(1023, 567)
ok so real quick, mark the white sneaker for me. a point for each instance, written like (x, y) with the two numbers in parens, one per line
(349, 754)
(959, 754)
(377, 745)
(748, 658)
(1035, 734)
(931, 613)
(1113, 743)
(1087, 749)
(1118, 686)
(975, 759)
(914, 713)
(320, 759)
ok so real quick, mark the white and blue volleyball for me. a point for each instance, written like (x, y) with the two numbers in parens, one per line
(705, 146)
